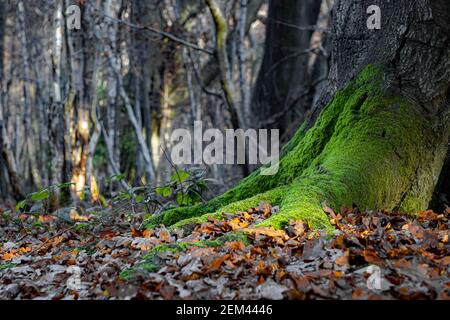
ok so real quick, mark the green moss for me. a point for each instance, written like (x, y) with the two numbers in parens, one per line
(127, 274)
(373, 155)
(151, 262)
(172, 216)
(295, 140)
(273, 197)
(372, 159)
(174, 247)
(303, 202)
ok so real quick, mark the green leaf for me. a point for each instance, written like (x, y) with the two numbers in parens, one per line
(41, 195)
(180, 176)
(124, 195)
(116, 177)
(65, 185)
(183, 200)
(164, 191)
(21, 205)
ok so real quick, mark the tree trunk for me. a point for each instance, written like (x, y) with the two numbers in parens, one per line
(8, 162)
(29, 134)
(146, 59)
(80, 128)
(56, 123)
(96, 132)
(284, 76)
(381, 139)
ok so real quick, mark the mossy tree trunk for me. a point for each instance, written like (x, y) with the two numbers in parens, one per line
(380, 140)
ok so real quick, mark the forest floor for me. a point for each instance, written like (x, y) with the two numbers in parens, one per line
(88, 256)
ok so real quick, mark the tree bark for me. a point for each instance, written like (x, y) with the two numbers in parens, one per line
(7, 158)
(96, 132)
(56, 123)
(381, 139)
(29, 141)
(80, 126)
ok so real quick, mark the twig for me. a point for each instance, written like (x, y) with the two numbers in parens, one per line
(176, 171)
(162, 33)
(199, 80)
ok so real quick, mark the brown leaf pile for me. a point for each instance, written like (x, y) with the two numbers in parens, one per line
(299, 263)
(369, 256)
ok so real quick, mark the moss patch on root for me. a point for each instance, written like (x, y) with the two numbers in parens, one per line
(152, 263)
(172, 216)
(274, 197)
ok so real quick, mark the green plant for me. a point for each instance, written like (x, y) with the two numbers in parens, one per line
(186, 187)
(39, 202)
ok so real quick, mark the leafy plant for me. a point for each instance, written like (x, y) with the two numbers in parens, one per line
(185, 187)
(39, 202)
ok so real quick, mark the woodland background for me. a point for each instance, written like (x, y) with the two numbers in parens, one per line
(83, 105)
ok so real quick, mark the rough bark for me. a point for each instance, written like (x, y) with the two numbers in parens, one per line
(7, 161)
(55, 116)
(80, 127)
(29, 141)
(380, 141)
(96, 132)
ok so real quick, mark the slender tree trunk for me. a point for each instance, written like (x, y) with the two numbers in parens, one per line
(9, 177)
(4, 190)
(211, 71)
(241, 58)
(2, 35)
(80, 128)
(28, 112)
(7, 158)
(284, 80)
(146, 60)
(60, 108)
(96, 132)
(112, 8)
(228, 88)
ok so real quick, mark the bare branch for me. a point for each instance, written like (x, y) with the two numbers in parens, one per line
(161, 33)
(222, 57)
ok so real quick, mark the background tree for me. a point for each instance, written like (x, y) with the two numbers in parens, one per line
(83, 105)
(286, 81)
